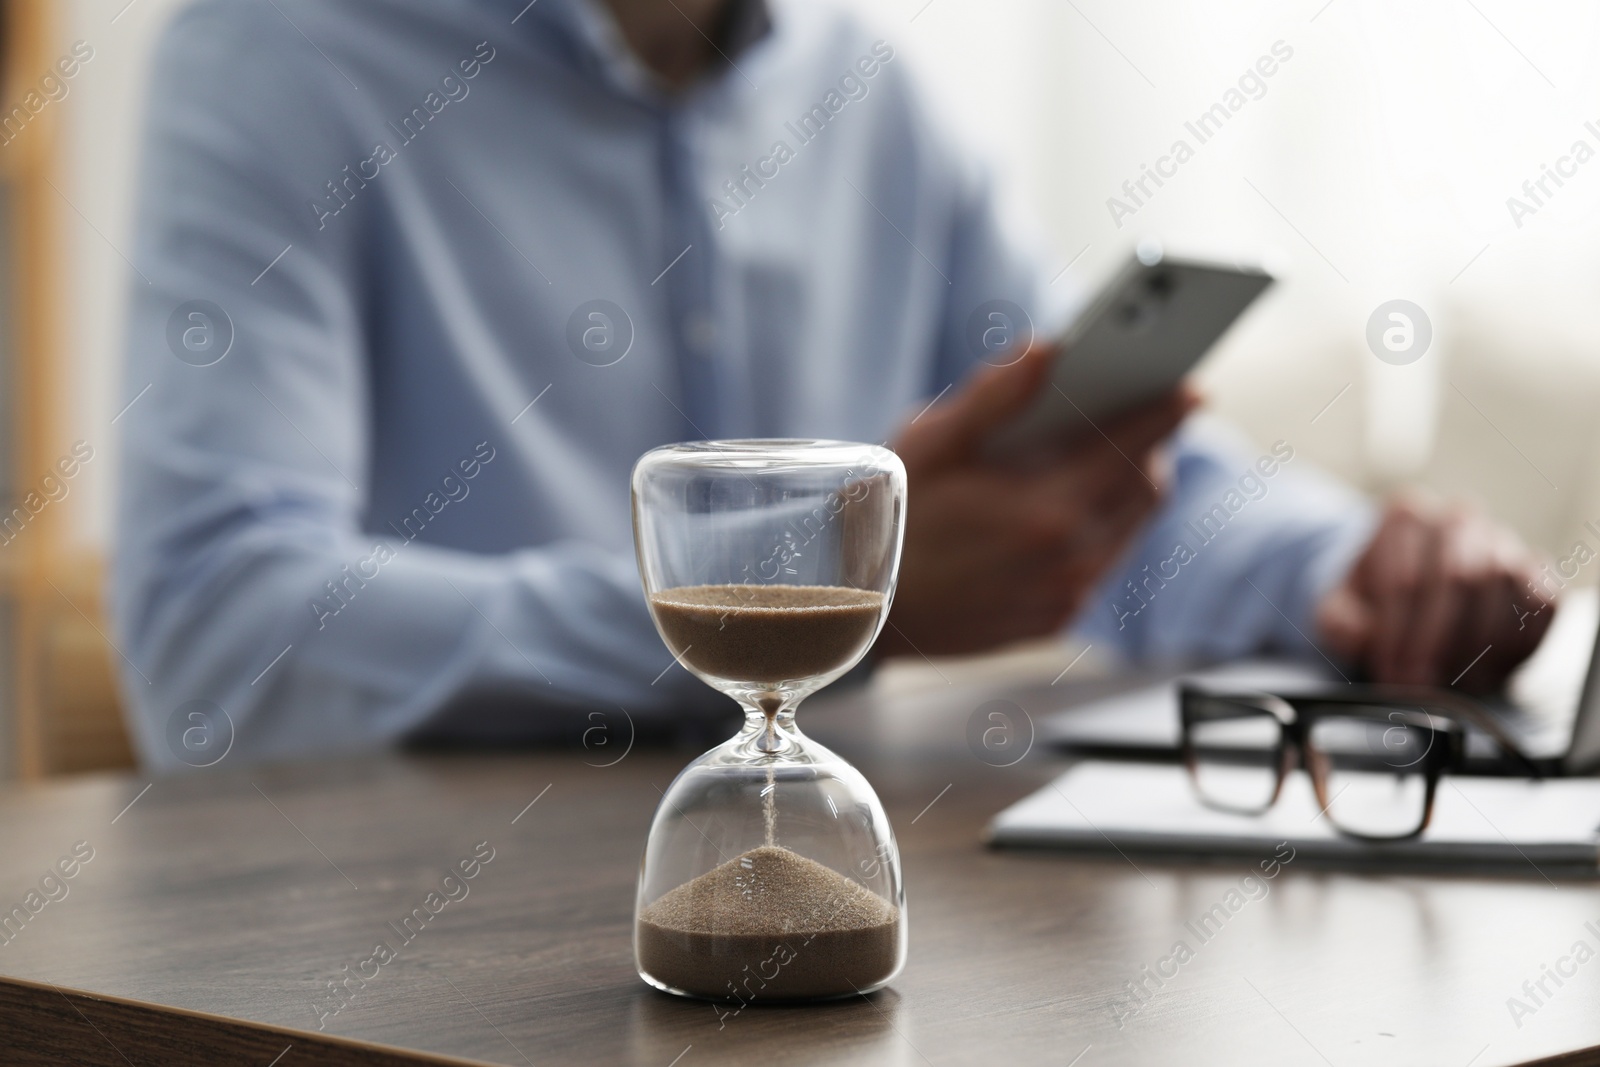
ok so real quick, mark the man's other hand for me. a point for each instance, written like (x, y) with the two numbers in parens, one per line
(1442, 595)
(1000, 552)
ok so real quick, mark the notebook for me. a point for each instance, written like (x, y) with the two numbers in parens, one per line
(1509, 825)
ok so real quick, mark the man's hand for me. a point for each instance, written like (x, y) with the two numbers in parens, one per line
(1442, 595)
(997, 553)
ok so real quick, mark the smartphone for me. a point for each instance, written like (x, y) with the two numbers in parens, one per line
(1146, 329)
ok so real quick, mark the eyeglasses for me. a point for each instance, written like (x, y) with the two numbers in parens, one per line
(1375, 754)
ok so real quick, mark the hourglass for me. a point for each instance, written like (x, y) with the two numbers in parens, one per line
(770, 872)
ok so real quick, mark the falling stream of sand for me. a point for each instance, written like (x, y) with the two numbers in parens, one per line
(769, 804)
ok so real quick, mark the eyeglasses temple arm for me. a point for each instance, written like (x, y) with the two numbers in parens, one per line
(1478, 717)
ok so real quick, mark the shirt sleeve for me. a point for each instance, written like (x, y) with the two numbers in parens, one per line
(245, 455)
(1236, 560)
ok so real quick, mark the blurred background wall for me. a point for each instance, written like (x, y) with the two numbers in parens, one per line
(1374, 163)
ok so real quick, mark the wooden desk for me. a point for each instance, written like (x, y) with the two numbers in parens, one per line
(238, 894)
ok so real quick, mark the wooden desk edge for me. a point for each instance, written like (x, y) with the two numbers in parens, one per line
(48, 1024)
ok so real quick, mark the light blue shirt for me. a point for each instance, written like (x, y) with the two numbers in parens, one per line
(419, 281)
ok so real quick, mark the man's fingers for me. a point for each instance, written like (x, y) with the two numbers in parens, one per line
(954, 427)
(1130, 441)
(1101, 468)
(1438, 596)
(1493, 634)
(1137, 431)
(1398, 559)
(1089, 504)
(1345, 623)
(1519, 614)
(1459, 565)
(1036, 536)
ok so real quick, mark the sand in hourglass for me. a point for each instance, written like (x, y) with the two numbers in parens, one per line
(769, 925)
(767, 635)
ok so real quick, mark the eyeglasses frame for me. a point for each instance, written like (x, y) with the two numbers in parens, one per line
(1443, 714)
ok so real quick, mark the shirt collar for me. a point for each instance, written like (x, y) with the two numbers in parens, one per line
(591, 28)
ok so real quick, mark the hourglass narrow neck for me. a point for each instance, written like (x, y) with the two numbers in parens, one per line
(769, 726)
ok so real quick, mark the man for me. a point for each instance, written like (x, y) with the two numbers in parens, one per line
(426, 276)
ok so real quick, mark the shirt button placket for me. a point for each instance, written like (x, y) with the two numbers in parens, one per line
(688, 282)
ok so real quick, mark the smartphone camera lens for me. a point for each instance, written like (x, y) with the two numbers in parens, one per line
(1140, 314)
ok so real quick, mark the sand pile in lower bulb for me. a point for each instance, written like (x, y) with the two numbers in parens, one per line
(769, 925)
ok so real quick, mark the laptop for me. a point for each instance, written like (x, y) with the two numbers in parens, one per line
(1551, 708)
